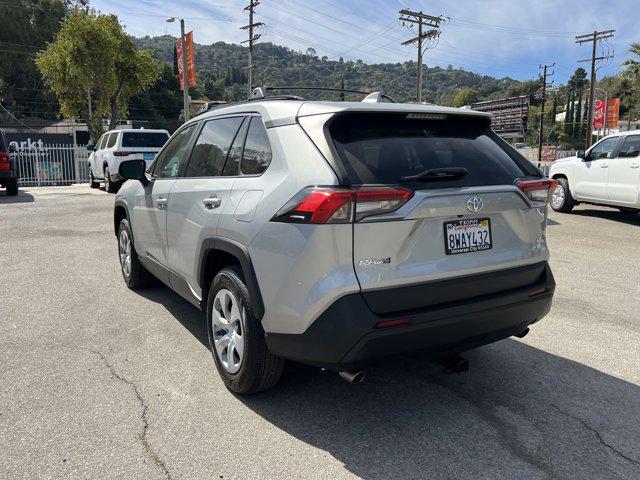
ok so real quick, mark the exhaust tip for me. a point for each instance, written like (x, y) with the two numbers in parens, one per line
(353, 377)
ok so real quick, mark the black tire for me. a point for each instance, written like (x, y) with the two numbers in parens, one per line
(568, 202)
(109, 186)
(629, 211)
(138, 276)
(92, 181)
(259, 369)
(12, 187)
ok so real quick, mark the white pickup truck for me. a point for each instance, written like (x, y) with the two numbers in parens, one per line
(115, 146)
(606, 174)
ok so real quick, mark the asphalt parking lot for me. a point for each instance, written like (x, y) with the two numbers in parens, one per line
(102, 382)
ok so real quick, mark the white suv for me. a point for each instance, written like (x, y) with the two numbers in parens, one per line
(118, 145)
(607, 174)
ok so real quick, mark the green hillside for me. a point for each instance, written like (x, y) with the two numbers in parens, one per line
(221, 73)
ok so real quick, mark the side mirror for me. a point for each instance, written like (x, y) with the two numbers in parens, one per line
(91, 148)
(133, 170)
(580, 154)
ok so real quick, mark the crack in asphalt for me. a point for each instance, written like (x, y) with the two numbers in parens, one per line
(598, 435)
(142, 437)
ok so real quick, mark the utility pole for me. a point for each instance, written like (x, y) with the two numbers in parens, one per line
(252, 38)
(185, 76)
(422, 20)
(544, 97)
(593, 38)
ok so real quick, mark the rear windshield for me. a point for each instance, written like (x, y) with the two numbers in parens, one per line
(144, 139)
(383, 148)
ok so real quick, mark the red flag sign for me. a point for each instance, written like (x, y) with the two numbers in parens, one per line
(613, 112)
(191, 68)
(599, 111)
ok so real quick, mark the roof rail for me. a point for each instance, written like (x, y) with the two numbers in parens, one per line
(259, 93)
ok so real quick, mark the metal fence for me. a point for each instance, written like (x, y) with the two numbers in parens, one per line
(52, 164)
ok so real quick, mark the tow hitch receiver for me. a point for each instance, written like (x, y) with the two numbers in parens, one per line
(454, 364)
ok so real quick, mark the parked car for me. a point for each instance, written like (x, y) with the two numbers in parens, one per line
(8, 167)
(117, 145)
(606, 174)
(332, 233)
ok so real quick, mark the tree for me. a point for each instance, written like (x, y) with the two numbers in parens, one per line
(632, 66)
(577, 118)
(161, 105)
(554, 109)
(94, 68)
(31, 24)
(466, 96)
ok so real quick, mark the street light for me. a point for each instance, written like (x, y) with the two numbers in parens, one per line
(185, 79)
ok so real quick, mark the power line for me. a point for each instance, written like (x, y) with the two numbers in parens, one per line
(252, 38)
(544, 91)
(422, 20)
(593, 38)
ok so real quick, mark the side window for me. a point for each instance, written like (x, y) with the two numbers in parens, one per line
(257, 152)
(211, 149)
(101, 142)
(232, 166)
(631, 147)
(112, 140)
(169, 160)
(604, 149)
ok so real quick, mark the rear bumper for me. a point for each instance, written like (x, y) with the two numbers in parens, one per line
(345, 335)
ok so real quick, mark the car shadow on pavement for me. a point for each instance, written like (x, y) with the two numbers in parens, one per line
(189, 316)
(630, 219)
(519, 413)
(22, 197)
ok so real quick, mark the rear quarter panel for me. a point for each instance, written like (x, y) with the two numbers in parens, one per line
(301, 269)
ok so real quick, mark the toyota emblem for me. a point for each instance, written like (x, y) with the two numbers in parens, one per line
(474, 204)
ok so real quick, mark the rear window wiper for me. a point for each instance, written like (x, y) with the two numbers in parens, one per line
(451, 173)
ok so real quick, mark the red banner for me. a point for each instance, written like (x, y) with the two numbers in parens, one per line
(549, 153)
(599, 109)
(191, 68)
(613, 112)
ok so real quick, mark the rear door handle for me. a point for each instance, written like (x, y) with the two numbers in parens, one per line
(604, 165)
(635, 165)
(212, 202)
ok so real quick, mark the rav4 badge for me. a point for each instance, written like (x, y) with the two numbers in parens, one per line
(365, 262)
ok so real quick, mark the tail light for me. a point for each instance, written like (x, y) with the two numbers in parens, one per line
(121, 154)
(341, 205)
(538, 190)
(4, 162)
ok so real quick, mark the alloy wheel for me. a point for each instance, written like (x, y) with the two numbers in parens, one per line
(124, 247)
(228, 337)
(557, 197)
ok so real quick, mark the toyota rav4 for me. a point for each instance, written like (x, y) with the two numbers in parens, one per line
(332, 233)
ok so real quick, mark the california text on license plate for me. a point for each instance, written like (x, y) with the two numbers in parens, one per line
(464, 236)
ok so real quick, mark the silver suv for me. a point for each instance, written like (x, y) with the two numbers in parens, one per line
(332, 233)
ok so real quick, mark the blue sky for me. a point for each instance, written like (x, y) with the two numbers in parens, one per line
(493, 37)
